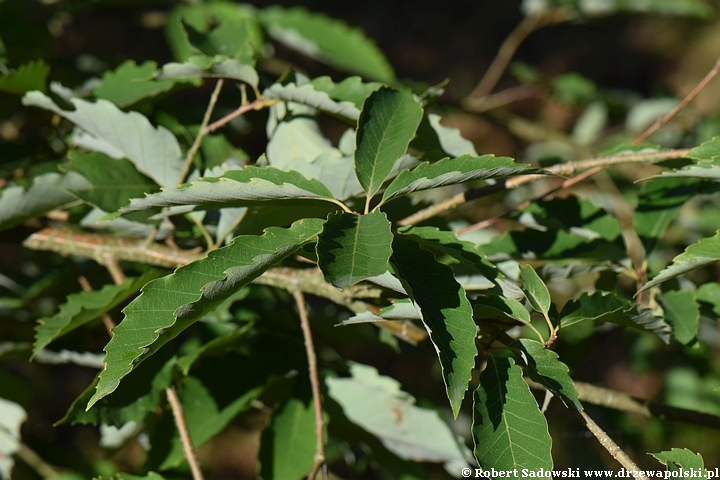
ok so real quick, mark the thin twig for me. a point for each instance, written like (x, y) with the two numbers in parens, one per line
(507, 50)
(115, 271)
(256, 104)
(34, 461)
(612, 447)
(562, 169)
(499, 99)
(319, 460)
(107, 321)
(179, 416)
(201, 132)
(688, 98)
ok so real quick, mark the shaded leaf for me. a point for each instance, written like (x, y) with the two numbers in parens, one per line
(127, 476)
(682, 313)
(235, 188)
(47, 192)
(403, 309)
(288, 444)
(537, 292)
(154, 151)
(387, 123)
(198, 66)
(327, 39)
(81, 308)
(446, 312)
(710, 293)
(217, 345)
(350, 89)
(659, 203)
(697, 255)
(333, 170)
(31, 76)
(677, 458)
(170, 304)
(377, 404)
(130, 83)
(352, 247)
(453, 171)
(307, 95)
(500, 308)
(509, 431)
(111, 182)
(294, 135)
(544, 367)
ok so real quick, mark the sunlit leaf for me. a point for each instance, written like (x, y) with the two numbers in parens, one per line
(350, 89)
(352, 247)
(308, 95)
(509, 430)
(700, 254)
(169, 305)
(537, 292)
(199, 66)
(12, 416)
(446, 312)
(154, 151)
(130, 83)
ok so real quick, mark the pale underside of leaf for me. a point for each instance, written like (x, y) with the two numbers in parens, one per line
(170, 304)
(308, 95)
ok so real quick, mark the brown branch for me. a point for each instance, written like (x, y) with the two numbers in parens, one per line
(319, 460)
(499, 99)
(256, 104)
(612, 447)
(179, 416)
(34, 461)
(688, 98)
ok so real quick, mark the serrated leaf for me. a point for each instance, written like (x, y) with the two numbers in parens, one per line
(288, 444)
(446, 313)
(403, 309)
(130, 83)
(209, 67)
(467, 253)
(350, 89)
(327, 39)
(154, 151)
(232, 38)
(333, 170)
(388, 121)
(140, 395)
(377, 404)
(353, 247)
(606, 307)
(544, 367)
(659, 203)
(501, 308)
(509, 431)
(682, 458)
(537, 292)
(169, 305)
(437, 141)
(47, 192)
(682, 313)
(81, 308)
(31, 76)
(453, 171)
(307, 95)
(236, 188)
(697, 255)
(111, 182)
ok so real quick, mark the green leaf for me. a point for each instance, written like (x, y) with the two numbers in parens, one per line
(508, 429)
(31, 76)
(307, 95)
(198, 66)
(217, 345)
(697, 255)
(710, 293)
(453, 171)
(170, 304)
(437, 141)
(353, 247)
(446, 312)
(544, 367)
(47, 192)
(294, 135)
(12, 417)
(707, 151)
(606, 307)
(402, 309)
(500, 308)
(112, 183)
(659, 203)
(288, 443)
(130, 83)
(137, 397)
(682, 458)
(537, 292)
(105, 128)
(682, 313)
(127, 476)
(236, 188)
(350, 89)
(467, 253)
(81, 308)
(327, 39)
(387, 123)
(377, 404)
